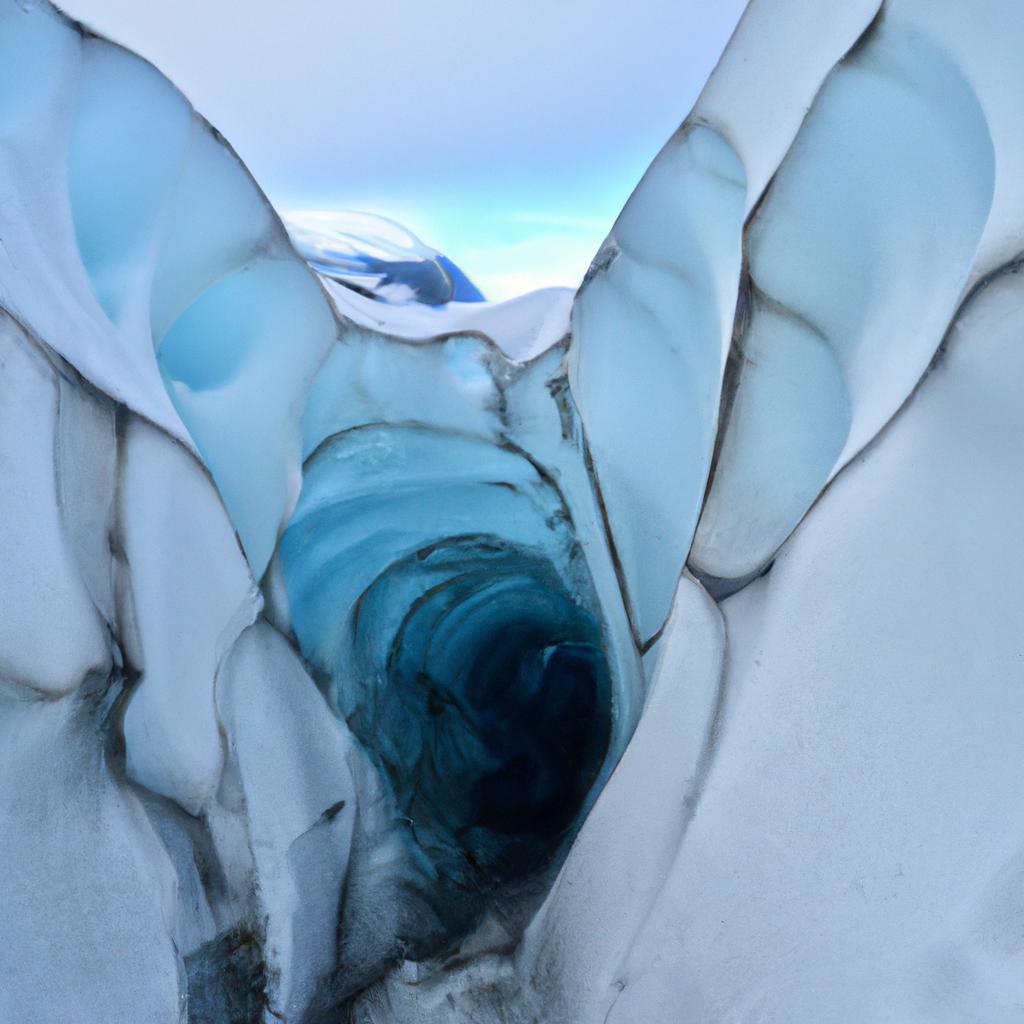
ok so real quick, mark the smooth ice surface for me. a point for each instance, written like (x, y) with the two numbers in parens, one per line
(852, 856)
(651, 331)
(450, 384)
(982, 42)
(128, 138)
(129, 226)
(766, 80)
(175, 532)
(523, 327)
(36, 51)
(216, 223)
(43, 281)
(853, 279)
(238, 387)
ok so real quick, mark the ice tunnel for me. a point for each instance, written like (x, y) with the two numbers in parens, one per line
(435, 584)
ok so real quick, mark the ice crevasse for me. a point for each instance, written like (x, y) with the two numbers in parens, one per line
(645, 654)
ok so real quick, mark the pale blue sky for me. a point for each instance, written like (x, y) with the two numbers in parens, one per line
(508, 135)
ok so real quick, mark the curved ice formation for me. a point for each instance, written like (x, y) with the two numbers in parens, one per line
(375, 660)
(651, 331)
(832, 342)
(162, 242)
(379, 257)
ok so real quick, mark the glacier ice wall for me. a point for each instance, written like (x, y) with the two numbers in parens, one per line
(645, 655)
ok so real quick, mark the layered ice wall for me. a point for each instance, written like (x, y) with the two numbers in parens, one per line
(651, 655)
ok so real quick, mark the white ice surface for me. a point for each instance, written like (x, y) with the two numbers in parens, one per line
(43, 280)
(192, 595)
(853, 280)
(41, 579)
(855, 851)
(587, 932)
(522, 327)
(293, 762)
(759, 94)
(87, 931)
(758, 97)
(450, 384)
(983, 40)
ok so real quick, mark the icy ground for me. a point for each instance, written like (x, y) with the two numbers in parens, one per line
(652, 654)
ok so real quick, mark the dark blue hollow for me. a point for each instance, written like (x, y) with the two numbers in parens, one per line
(495, 711)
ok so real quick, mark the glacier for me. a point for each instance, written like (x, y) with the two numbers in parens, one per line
(378, 257)
(652, 653)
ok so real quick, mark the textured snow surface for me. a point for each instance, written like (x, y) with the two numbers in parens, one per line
(419, 663)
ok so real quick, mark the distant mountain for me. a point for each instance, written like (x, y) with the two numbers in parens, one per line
(379, 258)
